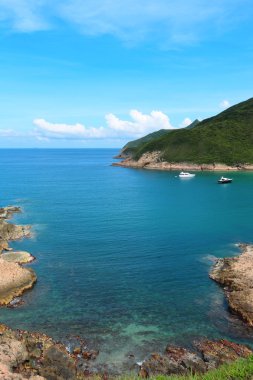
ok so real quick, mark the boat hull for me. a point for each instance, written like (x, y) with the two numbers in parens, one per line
(223, 182)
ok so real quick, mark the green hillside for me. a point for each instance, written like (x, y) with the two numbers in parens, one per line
(131, 146)
(226, 138)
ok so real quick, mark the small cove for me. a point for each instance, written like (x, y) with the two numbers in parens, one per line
(123, 255)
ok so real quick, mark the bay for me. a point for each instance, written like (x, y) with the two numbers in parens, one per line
(123, 255)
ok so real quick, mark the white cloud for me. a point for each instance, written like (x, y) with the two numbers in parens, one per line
(186, 122)
(224, 104)
(24, 15)
(174, 22)
(10, 133)
(61, 130)
(140, 125)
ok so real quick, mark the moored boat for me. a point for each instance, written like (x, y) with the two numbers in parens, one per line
(186, 175)
(224, 180)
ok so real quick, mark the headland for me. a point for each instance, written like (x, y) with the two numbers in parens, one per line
(235, 275)
(153, 161)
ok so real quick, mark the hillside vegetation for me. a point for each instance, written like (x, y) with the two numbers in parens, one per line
(131, 146)
(226, 138)
(241, 369)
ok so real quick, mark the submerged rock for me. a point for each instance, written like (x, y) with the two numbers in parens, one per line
(235, 274)
(15, 302)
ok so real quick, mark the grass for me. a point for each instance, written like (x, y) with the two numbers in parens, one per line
(241, 369)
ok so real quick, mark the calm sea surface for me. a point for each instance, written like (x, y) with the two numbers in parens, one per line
(123, 255)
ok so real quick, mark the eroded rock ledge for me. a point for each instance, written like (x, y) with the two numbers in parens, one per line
(34, 356)
(235, 274)
(153, 160)
(14, 279)
(208, 355)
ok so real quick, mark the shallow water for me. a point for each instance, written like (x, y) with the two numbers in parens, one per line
(123, 255)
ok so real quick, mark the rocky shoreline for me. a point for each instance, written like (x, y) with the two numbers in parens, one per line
(154, 161)
(235, 275)
(26, 355)
(208, 354)
(35, 356)
(15, 279)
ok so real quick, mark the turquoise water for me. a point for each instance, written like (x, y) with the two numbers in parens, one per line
(123, 255)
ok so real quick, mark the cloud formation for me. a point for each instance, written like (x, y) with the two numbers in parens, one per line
(139, 125)
(10, 133)
(186, 122)
(225, 104)
(24, 15)
(178, 22)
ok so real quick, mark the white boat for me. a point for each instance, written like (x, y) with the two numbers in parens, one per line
(186, 175)
(225, 180)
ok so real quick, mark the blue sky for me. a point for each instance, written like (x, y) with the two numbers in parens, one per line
(82, 73)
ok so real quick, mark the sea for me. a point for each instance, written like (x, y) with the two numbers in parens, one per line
(123, 255)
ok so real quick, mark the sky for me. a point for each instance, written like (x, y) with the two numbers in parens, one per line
(98, 73)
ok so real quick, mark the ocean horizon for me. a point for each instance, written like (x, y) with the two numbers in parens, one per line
(123, 255)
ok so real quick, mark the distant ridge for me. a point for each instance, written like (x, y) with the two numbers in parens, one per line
(226, 138)
(131, 146)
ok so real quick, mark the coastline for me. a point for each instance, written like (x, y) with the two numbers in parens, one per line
(36, 356)
(235, 275)
(15, 279)
(152, 161)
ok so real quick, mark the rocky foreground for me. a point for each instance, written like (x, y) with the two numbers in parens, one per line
(154, 161)
(235, 274)
(208, 355)
(14, 279)
(34, 356)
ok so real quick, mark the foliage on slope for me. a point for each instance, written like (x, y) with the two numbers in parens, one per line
(131, 146)
(241, 369)
(226, 138)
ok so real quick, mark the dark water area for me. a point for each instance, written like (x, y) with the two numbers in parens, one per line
(123, 255)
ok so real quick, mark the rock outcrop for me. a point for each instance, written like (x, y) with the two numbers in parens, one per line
(10, 231)
(208, 355)
(20, 257)
(235, 274)
(154, 161)
(34, 356)
(14, 279)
